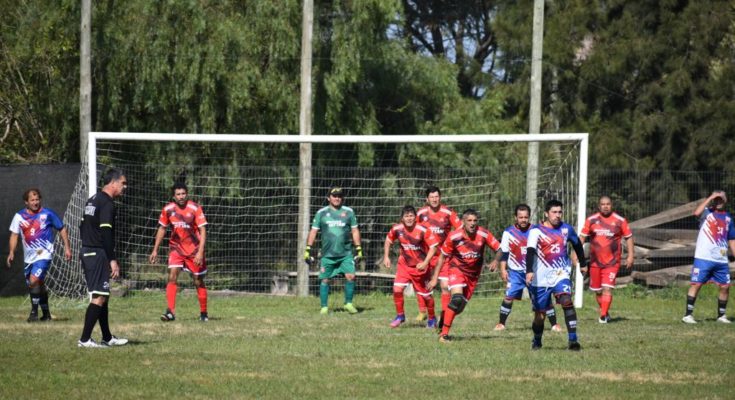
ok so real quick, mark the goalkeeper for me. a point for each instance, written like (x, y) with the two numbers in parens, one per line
(338, 226)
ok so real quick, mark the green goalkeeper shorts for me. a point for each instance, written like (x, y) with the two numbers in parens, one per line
(331, 267)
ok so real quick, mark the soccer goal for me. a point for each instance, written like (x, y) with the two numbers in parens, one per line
(248, 186)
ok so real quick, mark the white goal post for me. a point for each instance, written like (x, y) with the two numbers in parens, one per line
(570, 172)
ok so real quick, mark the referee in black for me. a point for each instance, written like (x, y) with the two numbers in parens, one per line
(98, 257)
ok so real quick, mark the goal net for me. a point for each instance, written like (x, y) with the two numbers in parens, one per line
(248, 187)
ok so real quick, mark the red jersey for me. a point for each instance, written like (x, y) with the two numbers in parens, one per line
(606, 234)
(185, 227)
(440, 222)
(467, 253)
(415, 243)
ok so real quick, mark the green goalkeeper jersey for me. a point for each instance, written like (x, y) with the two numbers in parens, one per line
(336, 227)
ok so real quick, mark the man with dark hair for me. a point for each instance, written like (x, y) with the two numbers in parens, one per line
(606, 230)
(465, 248)
(547, 244)
(98, 257)
(35, 224)
(716, 235)
(186, 248)
(417, 246)
(339, 233)
(441, 220)
(513, 265)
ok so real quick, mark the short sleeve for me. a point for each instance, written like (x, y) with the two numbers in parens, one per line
(447, 247)
(56, 222)
(492, 242)
(731, 230)
(15, 224)
(163, 219)
(532, 242)
(454, 220)
(586, 228)
(107, 214)
(315, 224)
(431, 239)
(391, 237)
(626, 229)
(505, 242)
(200, 219)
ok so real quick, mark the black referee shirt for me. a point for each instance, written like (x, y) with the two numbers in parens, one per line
(97, 224)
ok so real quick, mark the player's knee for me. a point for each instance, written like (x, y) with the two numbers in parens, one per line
(99, 299)
(457, 303)
(350, 277)
(565, 301)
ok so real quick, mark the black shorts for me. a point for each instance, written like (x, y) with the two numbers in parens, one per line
(96, 270)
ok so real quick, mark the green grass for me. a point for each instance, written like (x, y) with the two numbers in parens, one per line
(278, 347)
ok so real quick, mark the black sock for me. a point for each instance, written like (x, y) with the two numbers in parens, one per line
(505, 309)
(35, 298)
(44, 302)
(105, 323)
(721, 307)
(690, 305)
(538, 330)
(90, 319)
(570, 318)
(551, 315)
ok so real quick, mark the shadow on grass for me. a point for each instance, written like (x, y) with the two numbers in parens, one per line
(360, 310)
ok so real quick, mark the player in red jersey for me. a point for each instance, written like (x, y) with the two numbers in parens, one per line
(418, 245)
(605, 231)
(441, 220)
(186, 248)
(466, 247)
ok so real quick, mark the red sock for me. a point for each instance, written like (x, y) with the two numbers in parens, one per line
(202, 295)
(446, 296)
(398, 300)
(171, 289)
(429, 300)
(422, 303)
(448, 318)
(598, 297)
(605, 302)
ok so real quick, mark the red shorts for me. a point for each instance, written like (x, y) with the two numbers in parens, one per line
(458, 279)
(603, 277)
(411, 276)
(176, 260)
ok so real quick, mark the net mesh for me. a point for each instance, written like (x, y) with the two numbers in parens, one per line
(249, 194)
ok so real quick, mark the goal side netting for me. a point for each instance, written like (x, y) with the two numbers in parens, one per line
(248, 187)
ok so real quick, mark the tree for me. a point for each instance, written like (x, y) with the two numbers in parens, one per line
(38, 76)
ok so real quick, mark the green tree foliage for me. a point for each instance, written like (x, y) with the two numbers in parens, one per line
(650, 80)
(39, 77)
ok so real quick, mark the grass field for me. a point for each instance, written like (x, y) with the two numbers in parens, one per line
(280, 347)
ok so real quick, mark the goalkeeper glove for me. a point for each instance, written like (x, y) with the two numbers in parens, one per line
(307, 256)
(358, 253)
